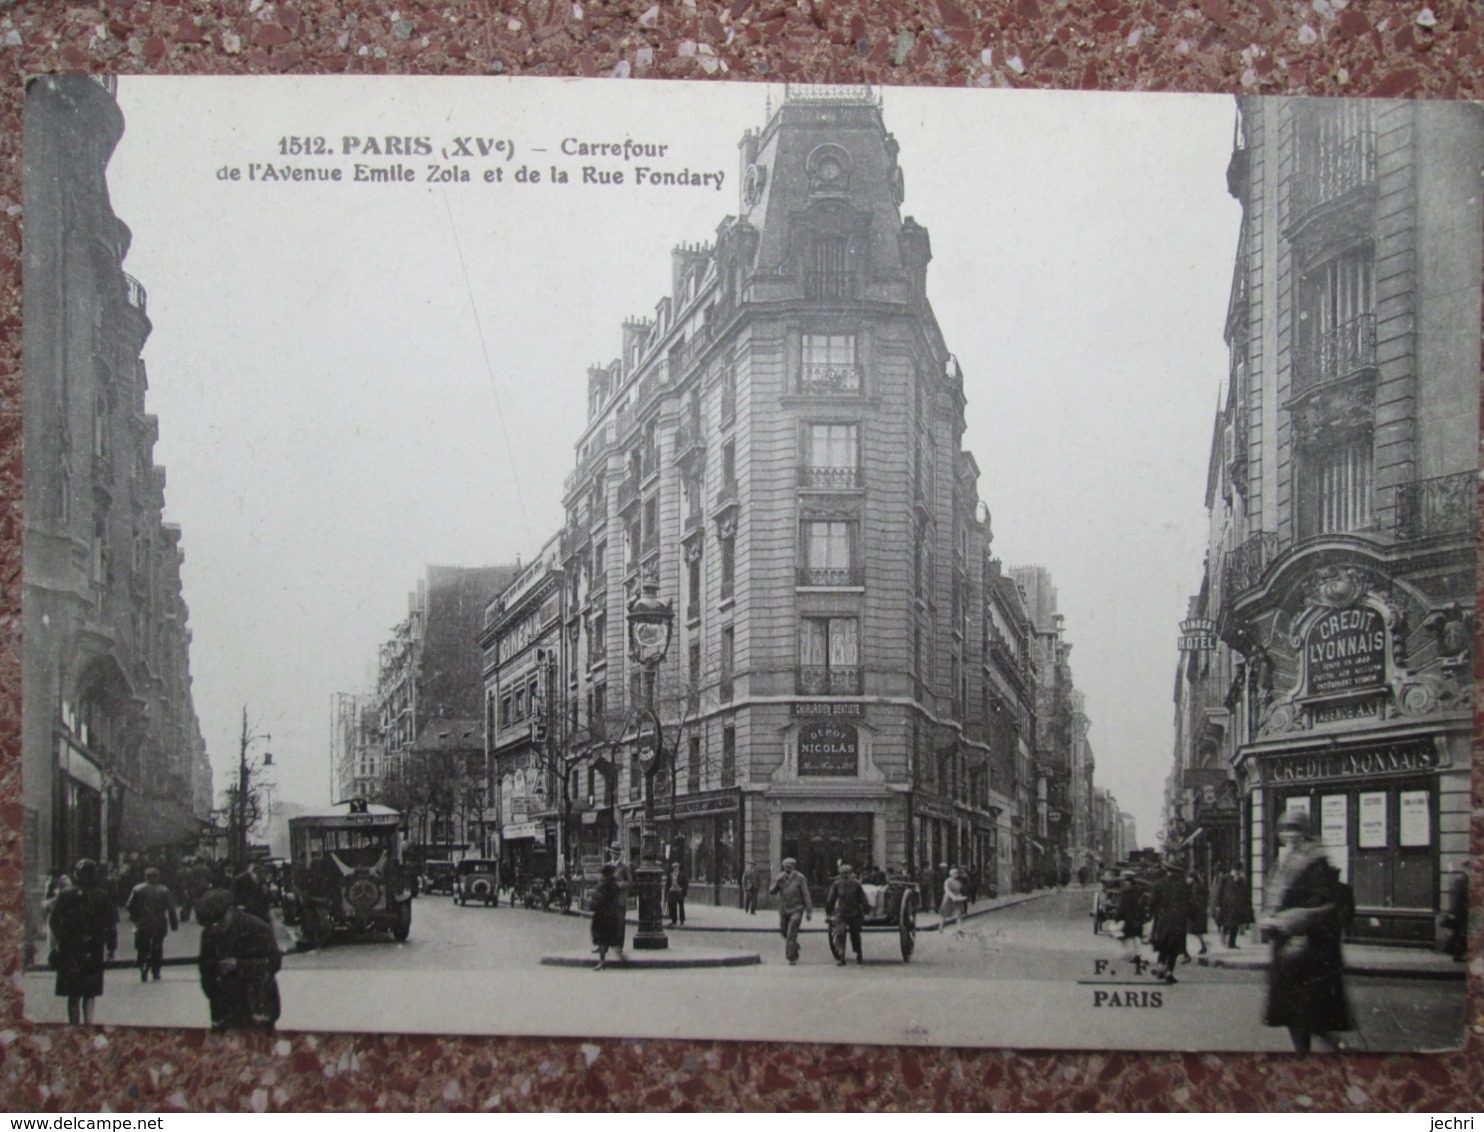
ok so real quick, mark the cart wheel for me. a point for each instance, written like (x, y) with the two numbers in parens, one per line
(907, 925)
(403, 927)
(837, 938)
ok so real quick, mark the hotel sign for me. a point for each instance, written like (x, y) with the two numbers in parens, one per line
(1369, 762)
(1197, 635)
(1345, 650)
(828, 750)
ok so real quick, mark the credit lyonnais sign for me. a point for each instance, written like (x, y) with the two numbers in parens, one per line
(828, 749)
(1344, 650)
(1366, 762)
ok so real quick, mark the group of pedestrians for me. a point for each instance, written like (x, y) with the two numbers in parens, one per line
(239, 954)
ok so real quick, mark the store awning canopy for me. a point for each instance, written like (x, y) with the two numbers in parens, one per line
(152, 823)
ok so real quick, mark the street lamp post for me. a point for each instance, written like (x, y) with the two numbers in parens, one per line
(245, 771)
(651, 622)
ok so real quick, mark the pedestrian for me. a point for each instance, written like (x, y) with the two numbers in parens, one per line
(1232, 901)
(751, 883)
(927, 881)
(609, 907)
(675, 893)
(1199, 918)
(239, 962)
(1132, 912)
(794, 904)
(1169, 907)
(1302, 915)
(84, 924)
(1455, 918)
(955, 904)
(152, 909)
(249, 895)
(847, 902)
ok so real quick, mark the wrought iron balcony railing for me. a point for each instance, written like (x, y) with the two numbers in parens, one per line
(1444, 505)
(828, 680)
(1338, 353)
(1244, 564)
(135, 293)
(1330, 168)
(829, 477)
(829, 285)
(830, 378)
(832, 576)
(628, 493)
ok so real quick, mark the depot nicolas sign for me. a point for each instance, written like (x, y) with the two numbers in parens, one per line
(828, 749)
(1344, 650)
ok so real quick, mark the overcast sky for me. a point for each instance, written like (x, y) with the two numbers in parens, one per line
(355, 380)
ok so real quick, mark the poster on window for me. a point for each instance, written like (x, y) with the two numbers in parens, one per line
(753, 347)
(1373, 821)
(1416, 819)
(1334, 831)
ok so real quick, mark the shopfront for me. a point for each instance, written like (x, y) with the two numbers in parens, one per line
(79, 825)
(1375, 809)
(530, 848)
(703, 835)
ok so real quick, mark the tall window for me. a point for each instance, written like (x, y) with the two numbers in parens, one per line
(829, 364)
(729, 470)
(727, 545)
(728, 396)
(693, 585)
(729, 756)
(829, 656)
(693, 765)
(728, 660)
(693, 678)
(827, 277)
(829, 553)
(1341, 479)
(1336, 319)
(831, 456)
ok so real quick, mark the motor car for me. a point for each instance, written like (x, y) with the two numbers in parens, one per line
(477, 881)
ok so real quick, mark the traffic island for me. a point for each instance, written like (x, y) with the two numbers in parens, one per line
(656, 960)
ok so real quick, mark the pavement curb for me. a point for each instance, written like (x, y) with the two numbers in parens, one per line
(656, 960)
(1456, 972)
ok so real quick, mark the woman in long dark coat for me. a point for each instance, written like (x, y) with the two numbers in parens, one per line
(1306, 981)
(609, 906)
(84, 923)
(1170, 908)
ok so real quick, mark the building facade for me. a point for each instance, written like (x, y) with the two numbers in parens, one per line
(1343, 493)
(356, 750)
(113, 756)
(849, 675)
(429, 710)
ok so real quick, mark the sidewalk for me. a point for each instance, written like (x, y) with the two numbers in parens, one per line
(729, 918)
(1360, 959)
(182, 946)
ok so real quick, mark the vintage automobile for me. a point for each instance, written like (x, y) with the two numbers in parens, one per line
(894, 906)
(477, 881)
(439, 876)
(347, 873)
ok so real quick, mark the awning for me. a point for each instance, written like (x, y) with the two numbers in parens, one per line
(150, 823)
(523, 830)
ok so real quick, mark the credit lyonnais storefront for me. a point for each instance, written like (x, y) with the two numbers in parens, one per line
(1362, 704)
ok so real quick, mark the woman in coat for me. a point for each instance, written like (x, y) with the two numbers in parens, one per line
(84, 923)
(1232, 903)
(1306, 982)
(609, 906)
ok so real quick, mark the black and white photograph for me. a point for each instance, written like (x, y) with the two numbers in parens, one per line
(630, 559)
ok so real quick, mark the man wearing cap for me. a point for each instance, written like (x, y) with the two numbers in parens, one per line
(152, 909)
(794, 905)
(1304, 908)
(847, 899)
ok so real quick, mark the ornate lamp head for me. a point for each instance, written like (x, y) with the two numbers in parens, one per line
(651, 622)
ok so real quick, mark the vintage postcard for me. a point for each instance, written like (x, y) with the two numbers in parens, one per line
(607, 558)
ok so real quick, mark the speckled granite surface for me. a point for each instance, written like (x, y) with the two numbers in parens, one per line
(1270, 46)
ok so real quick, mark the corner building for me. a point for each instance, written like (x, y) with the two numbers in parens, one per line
(779, 447)
(1344, 494)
